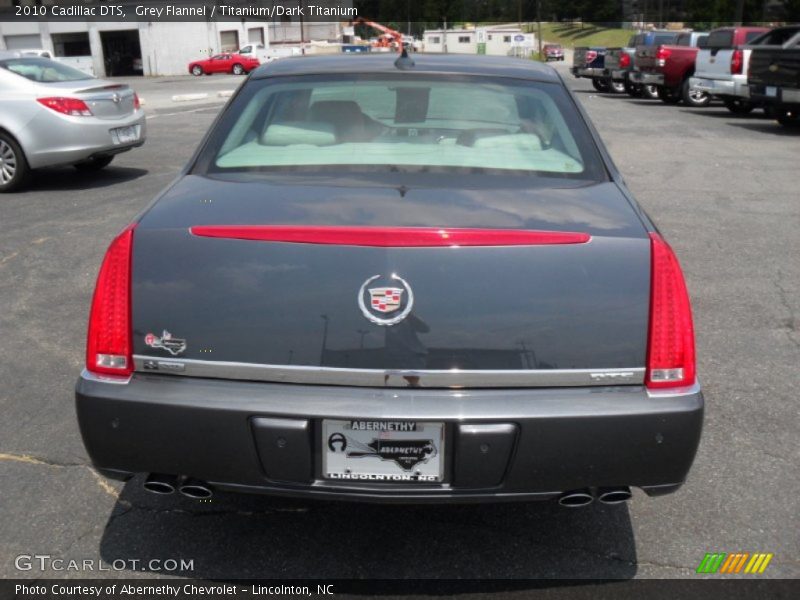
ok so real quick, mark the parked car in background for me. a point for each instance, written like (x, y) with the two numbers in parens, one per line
(620, 62)
(52, 114)
(256, 51)
(553, 52)
(775, 74)
(224, 63)
(529, 329)
(721, 67)
(589, 62)
(669, 66)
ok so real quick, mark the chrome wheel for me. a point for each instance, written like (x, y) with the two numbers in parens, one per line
(238, 69)
(8, 163)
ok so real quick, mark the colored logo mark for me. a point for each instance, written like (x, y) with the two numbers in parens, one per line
(735, 563)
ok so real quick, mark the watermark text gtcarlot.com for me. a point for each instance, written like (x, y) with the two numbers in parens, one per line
(47, 562)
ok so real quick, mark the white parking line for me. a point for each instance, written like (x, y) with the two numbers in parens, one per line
(188, 97)
(180, 112)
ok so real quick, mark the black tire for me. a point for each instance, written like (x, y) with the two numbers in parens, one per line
(788, 118)
(694, 98)
(94, 164)
(601, 85)
(769, 111)
(238, 69)
(617, 87)
(197, 70)
(633, 90)
(14, 169)
(738, 106)
(668, 95)
(650, 92)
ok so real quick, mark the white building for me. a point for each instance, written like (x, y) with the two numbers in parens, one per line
(496, 41)
(108, 48)
(454, 41)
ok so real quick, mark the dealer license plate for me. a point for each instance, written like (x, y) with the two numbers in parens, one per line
(383, 451)
(125, 135)
(771, 91)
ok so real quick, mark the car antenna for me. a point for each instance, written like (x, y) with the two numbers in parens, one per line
(404, 61)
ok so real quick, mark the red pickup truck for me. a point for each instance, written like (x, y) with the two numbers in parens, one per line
(669, 67)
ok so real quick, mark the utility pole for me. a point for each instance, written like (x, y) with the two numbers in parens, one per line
(444, 37)
(539, 26)
(302, 35)
(739, 12)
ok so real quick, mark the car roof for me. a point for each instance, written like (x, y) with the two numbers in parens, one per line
(489, 66)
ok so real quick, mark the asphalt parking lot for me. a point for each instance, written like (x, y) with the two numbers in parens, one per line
(723, 189)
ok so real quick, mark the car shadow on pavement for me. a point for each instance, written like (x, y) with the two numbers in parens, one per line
(69, 178)
(236, 536)
(768, 126)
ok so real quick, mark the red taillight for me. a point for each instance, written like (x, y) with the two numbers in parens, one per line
(737, 62)
(390, 237)
(66, 106)
(108, 345)
(625, 61)
(670, 349)
(662, 54)
(136, 102)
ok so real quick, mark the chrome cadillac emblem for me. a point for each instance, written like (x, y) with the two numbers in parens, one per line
(116, 98)
(385, 300)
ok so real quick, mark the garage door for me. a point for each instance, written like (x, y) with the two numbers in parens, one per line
(255, 35)
(229, 41)
(24, 42)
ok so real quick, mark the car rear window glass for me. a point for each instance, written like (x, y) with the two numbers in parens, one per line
(406, 122)
(43, 70)
(663, 38)
(720, 39)
(776, 37)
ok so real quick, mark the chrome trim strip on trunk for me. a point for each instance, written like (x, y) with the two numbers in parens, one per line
(454, 378)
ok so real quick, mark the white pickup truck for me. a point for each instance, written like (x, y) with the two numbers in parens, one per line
(721, 67)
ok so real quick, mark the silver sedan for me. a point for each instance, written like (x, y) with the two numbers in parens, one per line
(52, 114)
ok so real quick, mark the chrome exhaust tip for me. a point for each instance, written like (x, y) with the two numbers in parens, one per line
(195, 489)
(158, 483)
(576, 498)
(614, 495)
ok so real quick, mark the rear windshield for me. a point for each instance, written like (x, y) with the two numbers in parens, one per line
(43, 70)
(663, 38)
(720, 39)
(777, 37)
(404, 122)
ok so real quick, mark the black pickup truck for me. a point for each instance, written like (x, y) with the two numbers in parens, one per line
(774, 76)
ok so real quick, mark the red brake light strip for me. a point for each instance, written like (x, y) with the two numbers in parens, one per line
(390, 237)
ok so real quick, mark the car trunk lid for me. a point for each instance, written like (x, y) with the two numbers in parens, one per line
(239, 304)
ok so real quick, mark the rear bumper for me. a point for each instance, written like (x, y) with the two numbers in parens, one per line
(720, 87)
(618, 75)
(54, 139)
(643, 78)
(560, 439)
(590, 72)
(775, 95)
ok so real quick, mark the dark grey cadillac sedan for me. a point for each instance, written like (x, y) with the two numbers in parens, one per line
(395, 280)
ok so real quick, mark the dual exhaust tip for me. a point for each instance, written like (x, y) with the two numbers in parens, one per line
(584, 497)
(163, 485)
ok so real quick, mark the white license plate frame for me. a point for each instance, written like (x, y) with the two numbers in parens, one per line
(383, 451)
(126, 135)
